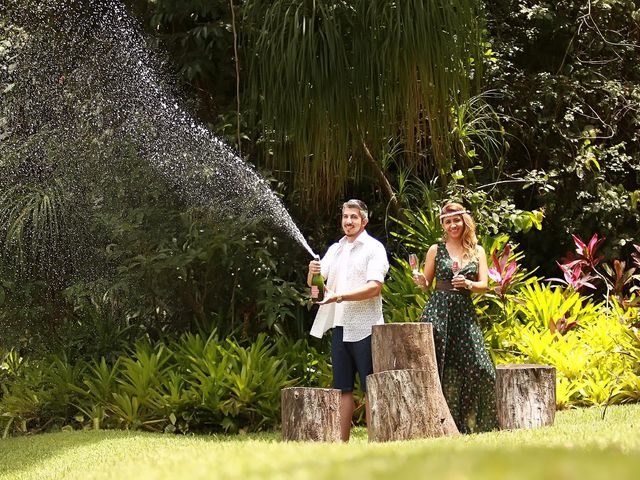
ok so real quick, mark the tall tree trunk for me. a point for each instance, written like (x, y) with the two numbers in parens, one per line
(384, 182)
(237, 65)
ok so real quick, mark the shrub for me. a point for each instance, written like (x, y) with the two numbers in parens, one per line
(187, 384)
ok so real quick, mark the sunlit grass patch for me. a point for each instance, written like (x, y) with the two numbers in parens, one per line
(581, 445)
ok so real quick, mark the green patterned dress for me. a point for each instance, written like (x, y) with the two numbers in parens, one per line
(466, 371)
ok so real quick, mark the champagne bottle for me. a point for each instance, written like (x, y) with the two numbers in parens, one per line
(317, 286)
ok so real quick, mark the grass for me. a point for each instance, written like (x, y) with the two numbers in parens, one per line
(579, 446)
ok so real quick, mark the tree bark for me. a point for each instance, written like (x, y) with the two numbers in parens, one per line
(407, 404)
(526, 396)
(311, 414)
(404, 392)
(236, 61)
(386, 186)
(404, 346)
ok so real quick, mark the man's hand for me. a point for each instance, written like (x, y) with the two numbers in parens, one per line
(314, 267)
(329, 297)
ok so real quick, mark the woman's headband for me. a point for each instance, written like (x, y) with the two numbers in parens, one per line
(451, 214)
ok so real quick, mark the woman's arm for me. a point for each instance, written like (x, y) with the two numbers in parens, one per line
(424, 279)
(480, 284)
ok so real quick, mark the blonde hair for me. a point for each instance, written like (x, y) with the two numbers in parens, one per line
(469, 239)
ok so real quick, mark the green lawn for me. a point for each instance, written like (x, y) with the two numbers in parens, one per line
(580, 446)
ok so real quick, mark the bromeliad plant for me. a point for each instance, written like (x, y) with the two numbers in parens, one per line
(587, 252)
(577, 272)
(556, 308)
(592, 343)
(619, 275)
(636, 261)
(580, 269)
(624, 280)
(502, 273)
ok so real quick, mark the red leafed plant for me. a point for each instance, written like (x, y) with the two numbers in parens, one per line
(561, 325)
(577, 269)
(574, 276)
(636, 255)
(502, 271)
(587, 251)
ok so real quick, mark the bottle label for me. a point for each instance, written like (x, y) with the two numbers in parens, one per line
(314, 291)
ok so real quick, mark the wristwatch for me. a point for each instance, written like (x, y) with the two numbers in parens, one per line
(339, 299)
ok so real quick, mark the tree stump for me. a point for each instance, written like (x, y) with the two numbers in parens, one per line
(407, 404)
(404, 392)
(403, 346)
(311, 414)
(526, 396)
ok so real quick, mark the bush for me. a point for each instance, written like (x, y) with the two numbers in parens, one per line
(596, 362)
(188, 384)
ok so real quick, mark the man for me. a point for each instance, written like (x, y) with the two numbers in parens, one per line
(354, 269)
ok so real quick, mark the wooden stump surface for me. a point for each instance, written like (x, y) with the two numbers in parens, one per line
(526, 395)
(404, 392)
(403, 346)
(407, 404)
(311, 414)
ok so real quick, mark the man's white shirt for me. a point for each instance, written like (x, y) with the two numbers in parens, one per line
(348, 266)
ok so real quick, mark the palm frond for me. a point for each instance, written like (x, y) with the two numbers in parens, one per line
(329, 76)
(30, 225)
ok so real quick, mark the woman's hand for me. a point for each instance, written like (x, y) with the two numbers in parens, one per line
(419, 280)
(460, 282)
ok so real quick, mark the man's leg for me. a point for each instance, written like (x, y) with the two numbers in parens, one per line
(343, 379)
(364, 363)
(347, 407)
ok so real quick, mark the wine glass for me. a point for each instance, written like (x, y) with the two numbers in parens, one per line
(455, 267)
(413, 263)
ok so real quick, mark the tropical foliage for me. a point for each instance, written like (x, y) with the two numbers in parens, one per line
(568, 78)
(527, 112)
(328, 99)
(193, 383)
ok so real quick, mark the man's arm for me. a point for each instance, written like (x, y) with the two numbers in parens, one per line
(369, 290)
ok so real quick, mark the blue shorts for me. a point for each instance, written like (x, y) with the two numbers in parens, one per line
(349, 357)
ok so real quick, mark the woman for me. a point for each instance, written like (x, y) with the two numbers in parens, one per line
(459, 266)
